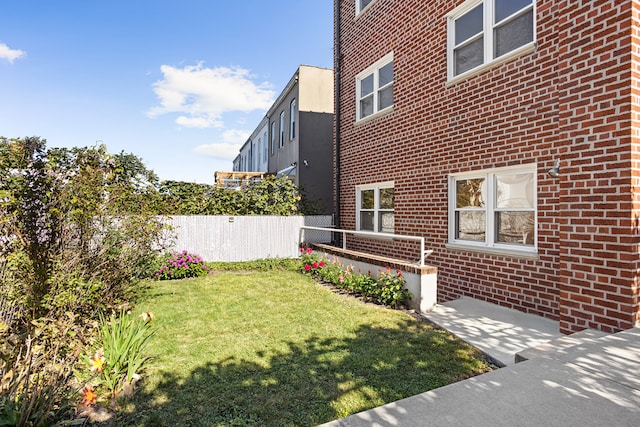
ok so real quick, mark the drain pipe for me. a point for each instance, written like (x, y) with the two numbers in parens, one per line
(337, 78)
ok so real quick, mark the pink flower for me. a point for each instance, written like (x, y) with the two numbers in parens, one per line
(321, 264)
(341, 278)
(307, 267)
(314, 265)
(309, 250)
(301, 250)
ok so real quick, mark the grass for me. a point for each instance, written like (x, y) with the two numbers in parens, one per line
(274, 348)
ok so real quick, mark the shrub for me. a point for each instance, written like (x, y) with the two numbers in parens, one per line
(360, 283)
(390, 288)
(181, 266)
(310, 263)
(331, 272)
(34, 387)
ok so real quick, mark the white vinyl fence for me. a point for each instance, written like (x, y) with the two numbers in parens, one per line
(244, 238)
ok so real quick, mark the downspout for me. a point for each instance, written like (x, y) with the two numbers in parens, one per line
(337, 77)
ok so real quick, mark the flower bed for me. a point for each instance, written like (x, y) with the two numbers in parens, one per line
(420, 281)
(386, 287)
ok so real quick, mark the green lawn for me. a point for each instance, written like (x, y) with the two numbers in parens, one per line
(277, 349)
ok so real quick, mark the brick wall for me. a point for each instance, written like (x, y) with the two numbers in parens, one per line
(569, 99)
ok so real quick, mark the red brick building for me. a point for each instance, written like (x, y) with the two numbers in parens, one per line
(450, 115)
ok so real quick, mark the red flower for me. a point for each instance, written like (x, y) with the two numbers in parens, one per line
(301, 250)
(89, 396)
(321, 263)
(314, 265)
(307, 267)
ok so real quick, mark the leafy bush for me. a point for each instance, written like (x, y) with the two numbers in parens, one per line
(77, 233)
(331, 272)
(182, 265)
(74, 215)
(359, 283)
(390, 288)
(309, 262)
(34, 387)
(268, 196)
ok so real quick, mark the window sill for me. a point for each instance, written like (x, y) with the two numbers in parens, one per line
(514, 253)
(374, 116)
(482, 68)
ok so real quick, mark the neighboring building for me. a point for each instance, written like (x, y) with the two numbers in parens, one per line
(253, 155)
(296, 136)
(507, 134)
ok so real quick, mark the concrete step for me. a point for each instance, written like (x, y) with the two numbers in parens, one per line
(558, 345)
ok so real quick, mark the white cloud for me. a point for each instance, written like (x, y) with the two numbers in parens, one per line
(237, 136)
(229, 148)
(202, 95)
(10, 54)
(223, 151)
(199, 122)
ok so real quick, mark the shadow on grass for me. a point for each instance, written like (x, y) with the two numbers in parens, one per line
(314, 381)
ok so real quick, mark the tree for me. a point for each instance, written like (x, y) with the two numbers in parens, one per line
(78, 225)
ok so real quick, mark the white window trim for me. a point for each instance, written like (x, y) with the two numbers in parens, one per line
(488, 40)
(373, 69)
(376, 209)
(273, 138)
(281, 131)
(489, 245)
(293, 107)
(364, 9)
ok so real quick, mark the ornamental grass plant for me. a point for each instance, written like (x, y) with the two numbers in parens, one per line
(123, 356)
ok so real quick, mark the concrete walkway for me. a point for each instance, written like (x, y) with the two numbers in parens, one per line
(593, 383)
(498, 331)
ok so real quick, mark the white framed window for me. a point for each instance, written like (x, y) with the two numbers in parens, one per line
(362, 5)
(375, 207)
(273, 138)
(484, 31)
(292, 120)
(494, 209)
(374, 88)
(281, 139)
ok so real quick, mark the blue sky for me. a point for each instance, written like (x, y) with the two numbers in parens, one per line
(181, 84)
